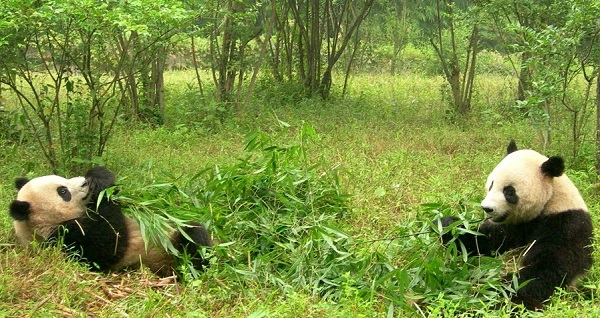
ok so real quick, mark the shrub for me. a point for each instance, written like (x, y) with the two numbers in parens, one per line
(278, 219)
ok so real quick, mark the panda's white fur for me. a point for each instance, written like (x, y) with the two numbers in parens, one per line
(530, 203)
(538, 193)
(50, 207)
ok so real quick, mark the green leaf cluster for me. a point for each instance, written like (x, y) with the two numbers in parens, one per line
(279, 222)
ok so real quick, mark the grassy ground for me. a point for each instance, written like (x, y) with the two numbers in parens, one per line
(397, 150)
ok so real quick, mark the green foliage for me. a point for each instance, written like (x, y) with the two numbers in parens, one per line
(492, 62)
(280, 93)
(279, 221)
(556, 39)
(12, 126)
(385, 143)
(445, 278)
(266, 204)
(65, 64)
(205, 113)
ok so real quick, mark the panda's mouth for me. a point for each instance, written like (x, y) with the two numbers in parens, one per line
(500, 218)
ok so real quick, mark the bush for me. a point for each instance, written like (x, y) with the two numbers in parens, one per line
(12, 126)
(492, 62)
(278, 220)
(266, 206)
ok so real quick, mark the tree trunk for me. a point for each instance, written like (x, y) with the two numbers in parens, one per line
(158, 72)
(461, 88)
(398, 33)
(598, 120)
(524, 78)
(197, 67)
(351, 62)
(226, 74)
(469, 76)
(261, 56)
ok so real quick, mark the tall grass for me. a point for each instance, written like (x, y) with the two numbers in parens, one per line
(319, 209)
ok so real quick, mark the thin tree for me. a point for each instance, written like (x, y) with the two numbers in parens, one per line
(446, 46)
(315, 29)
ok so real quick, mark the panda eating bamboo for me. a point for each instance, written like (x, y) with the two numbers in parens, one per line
(531, 203)
(92, 227)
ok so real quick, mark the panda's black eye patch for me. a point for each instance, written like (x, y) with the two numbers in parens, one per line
(64, 193)
(510, 194)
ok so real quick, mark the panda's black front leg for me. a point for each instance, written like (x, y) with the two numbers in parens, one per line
(493, 238)
(93, 239)
(474, 244)
(539, 276)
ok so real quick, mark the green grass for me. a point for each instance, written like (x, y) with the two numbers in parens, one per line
(394, 150)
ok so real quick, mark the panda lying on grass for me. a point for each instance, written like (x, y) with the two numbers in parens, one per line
(531, 203)
(52, 208)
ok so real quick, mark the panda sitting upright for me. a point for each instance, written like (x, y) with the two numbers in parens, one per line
(52, 208)
(531, 203)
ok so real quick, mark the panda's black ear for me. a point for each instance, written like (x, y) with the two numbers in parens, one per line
(554, 166)
(512, 147)
(19, 210)
(20, 182)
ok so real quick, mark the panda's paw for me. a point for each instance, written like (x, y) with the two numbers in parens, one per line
(442, 224)
(98, 179)
(531, 303)
(448, 220)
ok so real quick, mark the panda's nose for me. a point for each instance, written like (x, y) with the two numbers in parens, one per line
(487, 210)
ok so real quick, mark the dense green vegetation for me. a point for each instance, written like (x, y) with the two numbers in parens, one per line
(101, 61)
(316, 139)
(302, 246)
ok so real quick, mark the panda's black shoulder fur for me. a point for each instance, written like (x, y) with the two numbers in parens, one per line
(100, 236)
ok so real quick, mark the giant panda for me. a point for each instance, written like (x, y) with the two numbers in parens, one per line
(531, 203)
(92, 227)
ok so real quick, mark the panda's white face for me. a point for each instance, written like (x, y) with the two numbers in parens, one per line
(52, 200)
(517, 190)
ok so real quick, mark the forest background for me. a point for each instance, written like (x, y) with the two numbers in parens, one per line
(317, 139)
